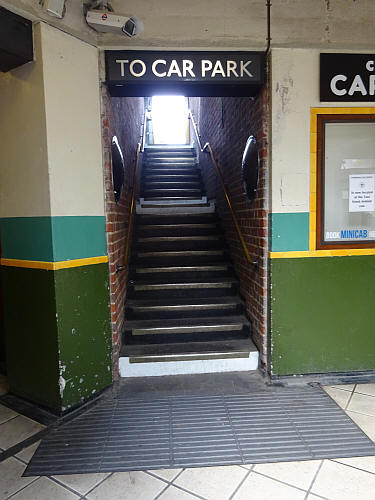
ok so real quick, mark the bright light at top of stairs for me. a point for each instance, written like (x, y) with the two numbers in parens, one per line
(169, 119)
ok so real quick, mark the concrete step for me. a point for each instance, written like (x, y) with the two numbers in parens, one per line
(178, 230)
(176, 200)
(142, 289)
(176, 219)
(178, 273)
(171, 184)
(174, 210)
(210, 325)
(179, 258)
(188, 357)
(187, 308)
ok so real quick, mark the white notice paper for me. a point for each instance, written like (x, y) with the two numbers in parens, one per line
(361, 193)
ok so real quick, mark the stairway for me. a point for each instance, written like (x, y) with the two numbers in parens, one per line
(182, 299)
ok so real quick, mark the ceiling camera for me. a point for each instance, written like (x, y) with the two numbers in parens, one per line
(110, 22)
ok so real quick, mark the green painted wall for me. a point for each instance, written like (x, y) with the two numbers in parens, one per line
(57, 325)
(53, 239)
(322, 314)
(84, 331)
(290, 231)
(31, 334)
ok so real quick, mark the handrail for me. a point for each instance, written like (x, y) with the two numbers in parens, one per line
(131, 209)
(144, 128)
(208, 147)
(140, 149)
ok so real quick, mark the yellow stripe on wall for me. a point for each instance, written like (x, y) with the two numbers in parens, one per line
(345, 252)
(54, 266)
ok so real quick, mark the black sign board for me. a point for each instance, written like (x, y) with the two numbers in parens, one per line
(195, 73)
(16, 40)
(347, 77)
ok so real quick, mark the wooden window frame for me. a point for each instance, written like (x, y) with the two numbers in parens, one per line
(322, 119)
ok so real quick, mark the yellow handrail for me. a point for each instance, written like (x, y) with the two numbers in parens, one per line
(131, 209)
(208, 147)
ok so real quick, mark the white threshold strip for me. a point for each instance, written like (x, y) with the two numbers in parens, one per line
(187, 367)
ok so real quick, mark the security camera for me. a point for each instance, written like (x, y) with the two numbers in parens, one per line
(109, 22)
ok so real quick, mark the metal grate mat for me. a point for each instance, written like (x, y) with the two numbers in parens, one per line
(203, 430)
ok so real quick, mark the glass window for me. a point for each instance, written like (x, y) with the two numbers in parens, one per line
(346, 181)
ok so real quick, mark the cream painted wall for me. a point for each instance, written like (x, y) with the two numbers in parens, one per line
(71, 79)
(218, 24)
(295, 89)
(24, 189)
(73, 21)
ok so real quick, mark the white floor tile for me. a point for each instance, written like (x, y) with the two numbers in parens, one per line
(346, 387)
(298, 474)
(6, 414)
(366, 389)
(364, 463)
(257, 487)
(216, 483)
(128, 486)
(338, 395)
(82, 483)
(11, 481)
(365, 422)
(339, 482)
(173, 493)
(16, 430)
(166, 474)
(247, 466)
(362, 404)
(45, 489)
(27, 453)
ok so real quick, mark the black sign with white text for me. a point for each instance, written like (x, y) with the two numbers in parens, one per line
(177, 69)
(347, 77)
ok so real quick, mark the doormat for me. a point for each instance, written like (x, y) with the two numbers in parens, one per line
(129, 434)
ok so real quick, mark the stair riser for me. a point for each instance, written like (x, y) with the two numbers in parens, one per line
(176, 219)
(176, 246)
(169, 159)
(185, 337)
(171, 170)
(188, 260)
(165, 154)
(171, 193)
(169, 277)
(182, 293)
(168, 184)
(151, 177)
(133, 313)
(193, 231)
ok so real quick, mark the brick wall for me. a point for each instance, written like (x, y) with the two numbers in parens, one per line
(121, 116)
(227, 123)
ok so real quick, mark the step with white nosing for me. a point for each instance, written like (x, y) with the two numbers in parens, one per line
(184, 365)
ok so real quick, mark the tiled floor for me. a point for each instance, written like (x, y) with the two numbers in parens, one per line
(349, 478)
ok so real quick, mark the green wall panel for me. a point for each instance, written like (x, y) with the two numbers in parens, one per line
(290, 231)
(31, 334)
(78, 237)
(84, 331)
(58, 333)
(53, 239)
(26, 238)
(322, 315)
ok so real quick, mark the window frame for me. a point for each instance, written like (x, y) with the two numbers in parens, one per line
(322, 119)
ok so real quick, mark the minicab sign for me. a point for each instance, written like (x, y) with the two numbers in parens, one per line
(150, 68)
